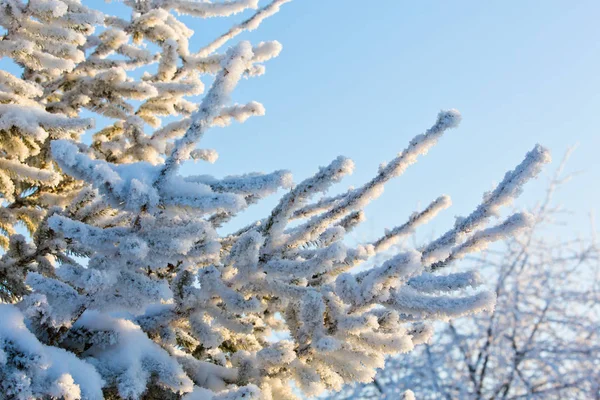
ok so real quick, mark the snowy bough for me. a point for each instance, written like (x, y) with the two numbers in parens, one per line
(122, 287)
(541, 342)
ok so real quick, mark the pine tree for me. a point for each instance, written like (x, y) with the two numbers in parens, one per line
(122, 287)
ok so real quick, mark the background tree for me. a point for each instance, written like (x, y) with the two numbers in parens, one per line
(123, 288)
(541, 341)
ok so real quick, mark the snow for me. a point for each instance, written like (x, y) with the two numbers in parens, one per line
(30, 368)
(125, 282)
(132, 358)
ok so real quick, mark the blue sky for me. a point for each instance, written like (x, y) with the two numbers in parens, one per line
(362, 78)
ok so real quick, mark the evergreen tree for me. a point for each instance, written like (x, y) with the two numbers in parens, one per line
(124, 289)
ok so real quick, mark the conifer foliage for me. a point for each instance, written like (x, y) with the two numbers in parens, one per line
(122, 287)
(542, 340)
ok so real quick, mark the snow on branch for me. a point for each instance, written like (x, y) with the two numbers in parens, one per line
(125, 286)
(236, 62)
(358, 198)
(250, 24)
(510, 187)
(541, 341)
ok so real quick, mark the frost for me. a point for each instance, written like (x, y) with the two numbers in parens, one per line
(124, 281)
(541, 341)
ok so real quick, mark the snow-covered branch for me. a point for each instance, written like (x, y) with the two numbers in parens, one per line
(541, 341)
(124, 287)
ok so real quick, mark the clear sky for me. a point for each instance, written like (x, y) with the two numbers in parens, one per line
(362, 78)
